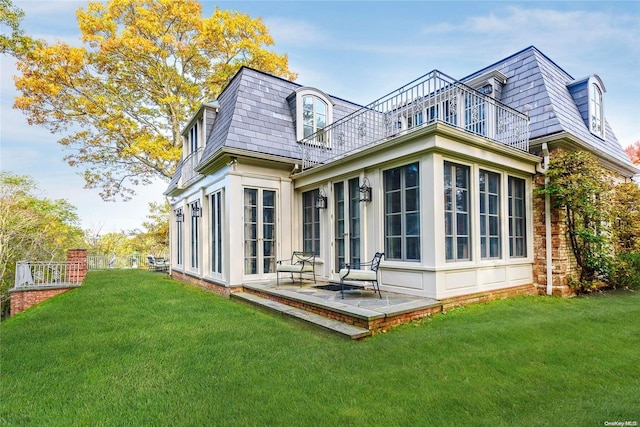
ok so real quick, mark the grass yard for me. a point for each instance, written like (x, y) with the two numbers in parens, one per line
(135, 348)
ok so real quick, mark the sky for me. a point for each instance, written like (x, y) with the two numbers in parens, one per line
(358, 51)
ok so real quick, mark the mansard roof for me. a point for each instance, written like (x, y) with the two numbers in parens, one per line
(257, 115)
(538, 87)
(257, 111)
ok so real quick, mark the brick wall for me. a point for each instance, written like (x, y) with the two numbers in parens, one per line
(562, 259)
(77, 256)
(382, 324)
(204, 284)
(24, 299)
(489, 296)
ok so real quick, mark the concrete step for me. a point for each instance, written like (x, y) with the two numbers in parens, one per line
(351, 331)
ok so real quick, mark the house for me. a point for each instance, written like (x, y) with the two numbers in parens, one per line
(439, 175)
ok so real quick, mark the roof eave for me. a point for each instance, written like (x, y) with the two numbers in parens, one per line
(566, 139)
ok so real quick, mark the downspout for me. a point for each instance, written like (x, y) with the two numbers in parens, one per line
(543, 168)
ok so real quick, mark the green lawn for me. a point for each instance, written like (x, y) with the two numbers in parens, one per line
(135, 348)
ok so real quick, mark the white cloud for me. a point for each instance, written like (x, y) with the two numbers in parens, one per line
(296, 32)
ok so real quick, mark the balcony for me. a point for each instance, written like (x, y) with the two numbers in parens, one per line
(433, 97)
(188, 172)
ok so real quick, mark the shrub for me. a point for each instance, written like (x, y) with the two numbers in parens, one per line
(625, 271)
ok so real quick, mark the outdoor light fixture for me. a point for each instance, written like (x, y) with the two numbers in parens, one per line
(195, 209)
(321, 200)
(365, 189)
(179, 216)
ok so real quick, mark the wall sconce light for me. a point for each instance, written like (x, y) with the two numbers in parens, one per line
(195, 209)
(365, 189)
(179, 216)
(321, 200)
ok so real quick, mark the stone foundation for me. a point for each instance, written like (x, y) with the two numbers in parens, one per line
(205, 284)
(489, 296)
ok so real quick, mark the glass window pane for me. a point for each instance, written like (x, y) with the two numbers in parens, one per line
(268, 215)
(307, 103)
(462, 200)
(447, 174)
(494, 183)
(394, 225)
(413, 248)
(493, 204)
(448, 203)
(448, 223)
(449, 247)
(411, 175)
(462, 224)
(413, 224)
(307, 130)
(461, 176)
(392, 180)
(463, 247)
(268, 231)
(493, 226)
(268, 198)
(412, 200)
(495, 247)
(394, 247)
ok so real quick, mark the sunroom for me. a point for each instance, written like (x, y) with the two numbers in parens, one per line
(437, 176)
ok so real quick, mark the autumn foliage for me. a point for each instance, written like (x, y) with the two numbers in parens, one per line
(121, 98)
(633, 151)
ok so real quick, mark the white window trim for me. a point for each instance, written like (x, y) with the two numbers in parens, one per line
(595, 81)
(309, 91)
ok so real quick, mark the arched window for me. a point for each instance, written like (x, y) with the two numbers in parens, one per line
(596, 118)
(314, 115)
(314, 112)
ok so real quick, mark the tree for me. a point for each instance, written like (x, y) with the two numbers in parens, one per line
(16, 42)
(626, 217)
(157, 227)
(145, 67)
(633, 151)
(31, 227)
(582, 188)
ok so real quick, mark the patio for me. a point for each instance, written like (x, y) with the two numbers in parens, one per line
(360, 314)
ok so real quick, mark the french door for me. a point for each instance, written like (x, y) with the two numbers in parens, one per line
(347, 223)
(259, 232)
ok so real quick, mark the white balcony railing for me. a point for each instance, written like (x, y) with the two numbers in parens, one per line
(188, 173)
(433, 97)
(47, 274)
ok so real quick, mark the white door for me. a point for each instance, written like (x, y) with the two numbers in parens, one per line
(259, 233)
(347, 224)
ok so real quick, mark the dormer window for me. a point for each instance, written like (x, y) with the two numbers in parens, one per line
(314, 112)
(193, 138)
(596, 119)
(314, 115)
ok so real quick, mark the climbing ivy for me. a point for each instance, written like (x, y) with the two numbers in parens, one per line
(583, 189)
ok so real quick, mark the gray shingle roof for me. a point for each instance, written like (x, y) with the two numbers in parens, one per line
(257, 113)
(537, 86)
(256, 116)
